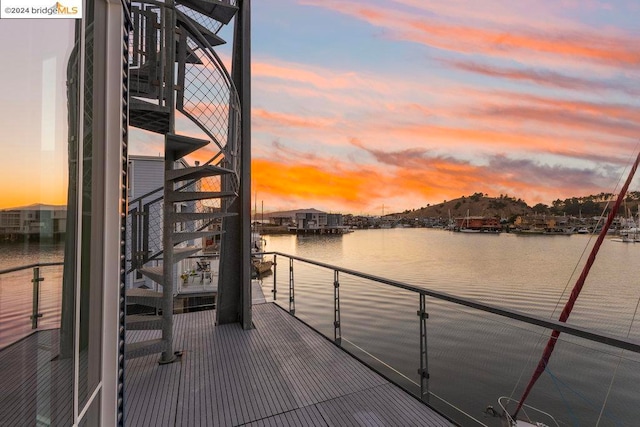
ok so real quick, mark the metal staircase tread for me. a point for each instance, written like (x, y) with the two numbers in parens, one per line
(182, 253)
(189, 196)
(191, 57)
(140, 104)
(148, 116)
(144, 348)
(212, 38)
(199, 216)
(195, 172)
(221, 12)
(153, 273)
(141, 292)
(192, 235)
(145, 297)
(182, 145)
(138, 322)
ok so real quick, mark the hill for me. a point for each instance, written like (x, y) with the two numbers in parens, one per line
(474, 205)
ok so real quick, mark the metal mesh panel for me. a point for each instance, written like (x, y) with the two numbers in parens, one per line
(207, 22)
(153, 221)
(206, 97)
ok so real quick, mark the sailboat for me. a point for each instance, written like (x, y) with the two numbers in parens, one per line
(259, 264)
(526, 420)
(630, 233)
(465, 228)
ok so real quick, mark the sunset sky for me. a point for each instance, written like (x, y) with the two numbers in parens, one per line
(399, 103)
(404, 103)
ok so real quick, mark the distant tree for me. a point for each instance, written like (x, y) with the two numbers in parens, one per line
(476, 197)
(495, 204)
(457, 205)
(541, 207)
(590, 208)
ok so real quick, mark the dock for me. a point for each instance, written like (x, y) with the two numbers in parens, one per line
(281, 373)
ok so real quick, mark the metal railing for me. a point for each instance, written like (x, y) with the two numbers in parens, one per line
(421, 294)
(17, 299)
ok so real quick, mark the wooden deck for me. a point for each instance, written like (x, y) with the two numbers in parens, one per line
(281, 373)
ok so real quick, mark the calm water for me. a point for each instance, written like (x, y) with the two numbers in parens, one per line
(476, 357)
(16, 289)
(473, 357)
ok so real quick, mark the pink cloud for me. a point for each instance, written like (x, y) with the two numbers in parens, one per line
(505, 41)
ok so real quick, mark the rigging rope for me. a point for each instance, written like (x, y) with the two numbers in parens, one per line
(557, 382)
(615, 372)
(564, 290)
(544, 360)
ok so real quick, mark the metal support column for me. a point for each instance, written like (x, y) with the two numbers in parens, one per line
(292, 298)
(169, 28)
(234, 287)
(423, 372)
(337, 332)
(167, 266)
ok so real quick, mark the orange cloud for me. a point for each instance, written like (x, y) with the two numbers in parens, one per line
(262, 117)
(406, 179)
(325, 185)
(307, 75)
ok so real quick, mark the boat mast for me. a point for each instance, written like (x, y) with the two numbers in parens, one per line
(566, 311)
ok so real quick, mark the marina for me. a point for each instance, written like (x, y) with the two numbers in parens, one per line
(136, 288)
(464, 346)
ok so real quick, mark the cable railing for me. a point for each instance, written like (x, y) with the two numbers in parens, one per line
(145, 219)
(457, 354)
(30, 300)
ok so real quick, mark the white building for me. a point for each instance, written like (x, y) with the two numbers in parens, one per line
(38, 220)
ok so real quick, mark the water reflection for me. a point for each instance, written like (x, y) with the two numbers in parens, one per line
(476, 357)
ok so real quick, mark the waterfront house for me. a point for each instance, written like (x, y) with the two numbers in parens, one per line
(481, 223)
(313, 221)
(36, 221)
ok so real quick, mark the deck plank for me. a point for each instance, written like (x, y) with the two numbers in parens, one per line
(279, 373)
(36, 384)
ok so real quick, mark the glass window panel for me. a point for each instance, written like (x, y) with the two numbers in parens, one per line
(36, 146)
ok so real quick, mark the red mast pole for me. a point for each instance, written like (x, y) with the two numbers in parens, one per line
(546, 354)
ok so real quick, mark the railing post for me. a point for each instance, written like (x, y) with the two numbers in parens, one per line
(35, 315)
(145, 237)
(274, 291)
(135, 252)
(337, 333)
(423, 371)
(292, 300)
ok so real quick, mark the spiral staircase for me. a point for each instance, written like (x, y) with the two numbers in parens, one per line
(175, 74)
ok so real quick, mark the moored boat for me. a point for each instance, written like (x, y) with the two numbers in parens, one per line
(261, 266)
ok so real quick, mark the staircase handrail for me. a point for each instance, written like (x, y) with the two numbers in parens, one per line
(144, 196)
